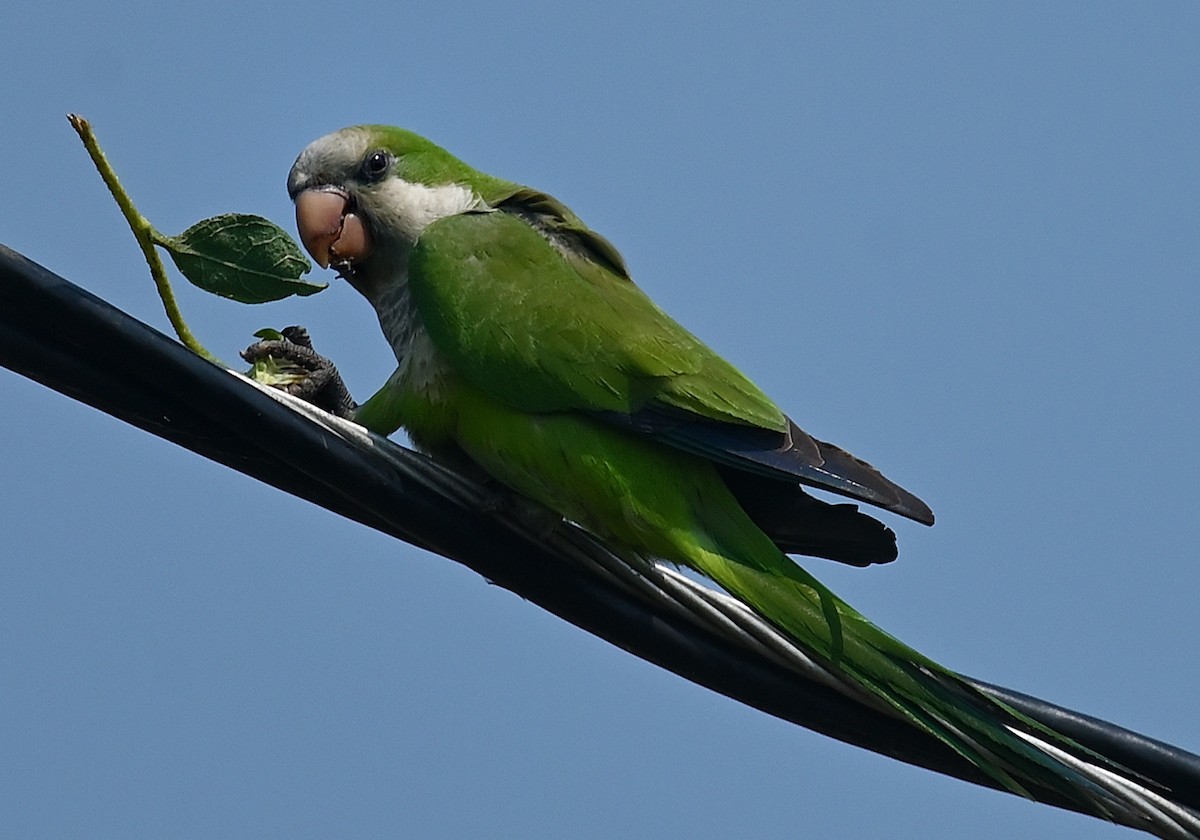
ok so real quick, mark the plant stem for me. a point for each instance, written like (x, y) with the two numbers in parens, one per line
(143, 232)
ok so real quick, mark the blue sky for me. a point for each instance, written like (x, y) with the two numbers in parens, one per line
(961, 240)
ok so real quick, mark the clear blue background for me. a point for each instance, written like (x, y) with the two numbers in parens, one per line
(961, 240)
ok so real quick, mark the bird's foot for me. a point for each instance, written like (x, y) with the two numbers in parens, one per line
(292, 365)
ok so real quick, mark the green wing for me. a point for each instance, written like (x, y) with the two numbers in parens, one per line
(537, 312)
(542, 328)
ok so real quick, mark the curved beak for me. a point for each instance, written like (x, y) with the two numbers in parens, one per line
(331, 232)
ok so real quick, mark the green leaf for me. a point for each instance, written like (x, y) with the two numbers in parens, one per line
(269, 334)
(242, 257)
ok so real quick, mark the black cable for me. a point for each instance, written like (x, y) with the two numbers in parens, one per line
(62, 336)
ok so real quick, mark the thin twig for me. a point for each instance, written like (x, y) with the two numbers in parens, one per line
(143, 232)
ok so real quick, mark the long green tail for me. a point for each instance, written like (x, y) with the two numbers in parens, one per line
(732, 552)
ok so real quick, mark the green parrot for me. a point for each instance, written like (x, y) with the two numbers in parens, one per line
(524, 347)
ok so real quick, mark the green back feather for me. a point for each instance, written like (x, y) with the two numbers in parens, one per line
(546, 333)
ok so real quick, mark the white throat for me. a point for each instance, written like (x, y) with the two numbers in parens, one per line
(420, 367)
(409, 208)
(405, 209)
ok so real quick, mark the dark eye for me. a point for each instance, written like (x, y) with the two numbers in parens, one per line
(376, 164)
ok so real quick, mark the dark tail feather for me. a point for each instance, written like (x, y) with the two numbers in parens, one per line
(801, 524)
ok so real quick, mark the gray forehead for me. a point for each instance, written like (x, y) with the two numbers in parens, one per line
(329, 159)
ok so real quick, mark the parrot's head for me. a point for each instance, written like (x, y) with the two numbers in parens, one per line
(364, 194)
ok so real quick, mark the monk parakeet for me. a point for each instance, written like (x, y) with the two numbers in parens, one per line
(524, 346)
